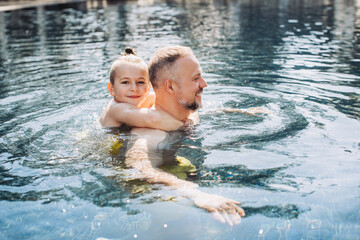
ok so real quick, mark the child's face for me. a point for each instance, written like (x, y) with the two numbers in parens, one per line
(131, 84)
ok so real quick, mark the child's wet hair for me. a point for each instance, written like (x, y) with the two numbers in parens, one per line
(128, 51)
(128, 56)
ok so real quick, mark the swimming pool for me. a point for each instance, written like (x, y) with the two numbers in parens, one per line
(295, 170)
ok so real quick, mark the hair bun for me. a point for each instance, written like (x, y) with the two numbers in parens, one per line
(129, 51)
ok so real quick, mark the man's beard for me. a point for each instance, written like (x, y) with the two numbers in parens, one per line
(192, 106)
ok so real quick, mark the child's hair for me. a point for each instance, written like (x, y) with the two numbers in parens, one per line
(128, 56)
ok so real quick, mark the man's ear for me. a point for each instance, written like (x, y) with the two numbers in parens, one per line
(170, 86)
(111, 89)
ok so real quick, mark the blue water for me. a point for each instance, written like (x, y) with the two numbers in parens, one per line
(295, 169)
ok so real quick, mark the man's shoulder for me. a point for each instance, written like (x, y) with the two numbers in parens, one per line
(148, 138)
(158, 139)
(149, 133)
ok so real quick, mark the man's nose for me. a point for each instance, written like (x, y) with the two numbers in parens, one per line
(203, 83)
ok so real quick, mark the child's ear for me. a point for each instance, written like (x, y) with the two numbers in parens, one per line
(170, 86)
(111, 89)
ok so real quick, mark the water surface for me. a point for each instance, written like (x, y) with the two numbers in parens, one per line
(295, 169)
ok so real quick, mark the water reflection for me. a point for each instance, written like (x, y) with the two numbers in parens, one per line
(269, 179)
(286, 212)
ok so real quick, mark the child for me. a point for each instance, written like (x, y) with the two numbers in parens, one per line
(130, 86)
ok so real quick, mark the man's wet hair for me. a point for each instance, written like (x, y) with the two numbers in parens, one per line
(164, 59)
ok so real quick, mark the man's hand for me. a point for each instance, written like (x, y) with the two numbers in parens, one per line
(188, 123)
(222, 209)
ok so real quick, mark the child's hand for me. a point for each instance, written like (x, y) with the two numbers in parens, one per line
(188, 123)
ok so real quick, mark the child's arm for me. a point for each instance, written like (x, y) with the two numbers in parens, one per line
(150, 101)
(144, 117)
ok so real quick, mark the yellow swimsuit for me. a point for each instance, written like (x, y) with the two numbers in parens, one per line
(116, 140)
(116, 144)
(181, 168)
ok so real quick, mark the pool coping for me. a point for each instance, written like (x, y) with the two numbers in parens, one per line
(16, 5)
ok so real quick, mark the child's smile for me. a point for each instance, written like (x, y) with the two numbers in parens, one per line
(131, 84)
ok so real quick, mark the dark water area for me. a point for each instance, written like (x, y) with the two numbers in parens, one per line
(295, 168)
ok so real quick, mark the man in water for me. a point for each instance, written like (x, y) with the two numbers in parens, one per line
(176, 77)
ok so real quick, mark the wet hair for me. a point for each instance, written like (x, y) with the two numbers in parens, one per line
(165, 58)
(128, 56)
(128, 51)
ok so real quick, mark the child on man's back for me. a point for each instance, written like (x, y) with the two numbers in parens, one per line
(130, 86)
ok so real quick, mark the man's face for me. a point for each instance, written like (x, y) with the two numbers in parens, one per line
(190, 82)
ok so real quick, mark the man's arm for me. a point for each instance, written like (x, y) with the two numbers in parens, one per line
(250, 111)
(145, 156)
(144, 117)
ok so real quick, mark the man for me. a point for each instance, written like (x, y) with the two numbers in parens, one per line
(176, 77)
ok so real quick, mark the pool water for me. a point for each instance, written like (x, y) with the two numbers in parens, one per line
(295, 168)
